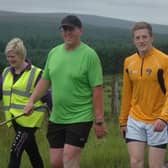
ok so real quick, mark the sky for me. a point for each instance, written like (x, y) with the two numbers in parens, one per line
(153, 11)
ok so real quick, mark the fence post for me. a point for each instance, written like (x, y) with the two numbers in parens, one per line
(115, 96)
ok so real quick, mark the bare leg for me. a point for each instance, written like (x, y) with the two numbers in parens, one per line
(71, 156)
(136, 152)
(156, 157)
(56, 157)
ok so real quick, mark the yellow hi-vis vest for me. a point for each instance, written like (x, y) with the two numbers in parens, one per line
(16, 96)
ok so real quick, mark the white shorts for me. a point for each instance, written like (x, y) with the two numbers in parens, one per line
(144, 132)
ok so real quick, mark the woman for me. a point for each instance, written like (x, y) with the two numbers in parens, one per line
(18, 82)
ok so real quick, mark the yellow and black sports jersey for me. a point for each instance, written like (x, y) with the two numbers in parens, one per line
(145, 87)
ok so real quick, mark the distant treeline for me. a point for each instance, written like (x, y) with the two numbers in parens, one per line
(112, 44)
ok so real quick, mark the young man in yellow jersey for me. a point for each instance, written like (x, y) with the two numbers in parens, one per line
(144, 109)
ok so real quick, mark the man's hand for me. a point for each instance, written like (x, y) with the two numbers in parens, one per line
(28, 109)
(100, 130)
(159, 125)
(123, 131)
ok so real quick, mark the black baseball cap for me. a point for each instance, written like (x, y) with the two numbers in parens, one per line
(71, 20)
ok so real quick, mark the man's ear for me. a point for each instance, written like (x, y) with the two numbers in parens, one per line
(152, 38)
(81, 30)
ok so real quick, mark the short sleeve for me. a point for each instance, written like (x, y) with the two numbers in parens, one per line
(95, 74)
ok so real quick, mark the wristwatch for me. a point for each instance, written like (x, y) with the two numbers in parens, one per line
(99, 122)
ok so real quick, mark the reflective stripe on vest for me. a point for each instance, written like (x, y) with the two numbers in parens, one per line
(5, 72)
(21, 107)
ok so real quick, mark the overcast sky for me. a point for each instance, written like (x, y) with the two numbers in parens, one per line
(153, 11)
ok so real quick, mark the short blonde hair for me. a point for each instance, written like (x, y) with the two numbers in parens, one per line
(16, 45)
(142, 25)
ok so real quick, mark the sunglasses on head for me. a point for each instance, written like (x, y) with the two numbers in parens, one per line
(67, 28)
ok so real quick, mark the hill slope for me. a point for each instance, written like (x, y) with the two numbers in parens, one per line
(110, 37)
(39, 21)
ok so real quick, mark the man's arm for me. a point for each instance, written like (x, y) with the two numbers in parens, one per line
(99, 124)
(126, 101)
(126, 97)
(39, 91)
(162, 120)
(47, 97)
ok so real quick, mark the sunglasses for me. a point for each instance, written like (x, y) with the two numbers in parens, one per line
(67, 28)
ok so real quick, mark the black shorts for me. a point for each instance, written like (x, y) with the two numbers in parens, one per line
(75, 134)
(162, 146)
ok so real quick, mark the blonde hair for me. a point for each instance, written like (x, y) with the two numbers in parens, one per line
(16, 45)
(142, 25)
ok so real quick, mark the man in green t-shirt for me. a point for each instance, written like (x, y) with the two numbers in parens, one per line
(73, 70)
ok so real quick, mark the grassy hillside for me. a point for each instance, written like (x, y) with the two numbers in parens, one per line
(111, 38)
(109, 152)
(93, 20)
(12, 23)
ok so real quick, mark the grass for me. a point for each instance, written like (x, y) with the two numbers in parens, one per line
(109, 152)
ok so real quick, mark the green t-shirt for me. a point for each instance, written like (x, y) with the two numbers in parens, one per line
(73, 74)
